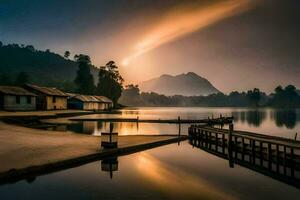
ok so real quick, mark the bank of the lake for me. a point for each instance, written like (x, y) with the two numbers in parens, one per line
(27, 151)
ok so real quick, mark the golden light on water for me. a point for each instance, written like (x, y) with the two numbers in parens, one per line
(186, 185)
(182, 21)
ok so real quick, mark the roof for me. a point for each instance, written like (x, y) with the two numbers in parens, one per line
(47, 90)
(71, 95)
(86, 98)
(14, 90)
(103, 99)
(89, 98)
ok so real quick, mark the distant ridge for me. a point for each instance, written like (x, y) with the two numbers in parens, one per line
(189, 84)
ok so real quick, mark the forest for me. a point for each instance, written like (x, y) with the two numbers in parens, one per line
(281, 97)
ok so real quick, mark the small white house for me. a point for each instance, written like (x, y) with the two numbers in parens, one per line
(16, 99)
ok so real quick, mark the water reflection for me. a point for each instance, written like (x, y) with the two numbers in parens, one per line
(177, 182)
(168, 172)
(110, 165)
(277, 122)
(287, 118)
(280, 167)
(252, 117)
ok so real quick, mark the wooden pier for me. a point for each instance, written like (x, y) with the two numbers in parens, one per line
(210, 121)
(275, 157)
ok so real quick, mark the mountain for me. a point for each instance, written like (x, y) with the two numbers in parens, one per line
(189, 84)
(44, 67)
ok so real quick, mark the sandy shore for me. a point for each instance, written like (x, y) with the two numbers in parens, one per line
(24, 148)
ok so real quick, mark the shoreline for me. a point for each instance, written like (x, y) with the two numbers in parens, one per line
(26, 152)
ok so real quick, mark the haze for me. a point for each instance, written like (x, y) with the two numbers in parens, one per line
(235, 44)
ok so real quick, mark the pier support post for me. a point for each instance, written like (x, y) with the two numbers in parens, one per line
(284, 160)
(231, 165)
(292, 163)
(253, 150)
(270, 156)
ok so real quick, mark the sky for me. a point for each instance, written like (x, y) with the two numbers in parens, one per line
(235, 44)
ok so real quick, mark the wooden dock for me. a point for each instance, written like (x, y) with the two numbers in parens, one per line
(276, 157)
(210, 121)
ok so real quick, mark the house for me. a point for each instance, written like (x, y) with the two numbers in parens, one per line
(104, 103)
(14, 98)
(48, 98)
(88, 102)
(82, 102)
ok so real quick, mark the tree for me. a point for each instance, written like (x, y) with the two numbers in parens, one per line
(5, 79)
(84, 79)
(1, 44)
(287, 97)
(254, 96)
(30, 48)
(67, 54)
(131, 95)
(22, 78)
(110, 82)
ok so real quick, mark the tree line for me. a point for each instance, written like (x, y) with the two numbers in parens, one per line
(281, 97)
(19, 64)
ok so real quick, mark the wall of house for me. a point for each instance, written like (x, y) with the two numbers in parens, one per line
(90, 106)
(101, 106)
(60, 103)
(10, 103)
(104, 106)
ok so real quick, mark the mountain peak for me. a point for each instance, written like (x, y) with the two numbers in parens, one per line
(166, 76)
(189, 84)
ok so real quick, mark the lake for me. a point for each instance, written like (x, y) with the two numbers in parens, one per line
(176, 171)
(168, 172)
(277, 122)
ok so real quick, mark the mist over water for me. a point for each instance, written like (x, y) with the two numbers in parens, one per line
(276, 122)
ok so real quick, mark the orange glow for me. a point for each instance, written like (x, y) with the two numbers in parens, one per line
(180, 22)
(185, 184)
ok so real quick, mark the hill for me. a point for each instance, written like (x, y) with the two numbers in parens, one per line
(189, 84)
(44, 67)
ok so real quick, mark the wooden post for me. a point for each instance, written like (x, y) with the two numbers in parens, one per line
(270, 156)
(206, 139)
(277, 157)
(284, 160)
(261, 153)
(230, 134)
(253, 150)
(243, 148)
(292, 163)
(229, 146)
(111, 128)
(235, 146)
(223, 142)
(210, 140)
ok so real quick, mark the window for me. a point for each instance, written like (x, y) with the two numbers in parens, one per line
(54, 99)
(18, 99)
(28, 99)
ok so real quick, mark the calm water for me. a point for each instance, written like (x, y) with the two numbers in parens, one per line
(168, 172)
(284, 123)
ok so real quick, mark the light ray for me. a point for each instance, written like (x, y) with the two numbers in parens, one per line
(180, 22)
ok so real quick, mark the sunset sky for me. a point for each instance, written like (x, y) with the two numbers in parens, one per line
(235, 44)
